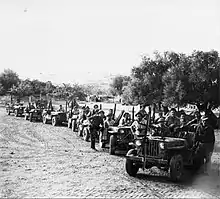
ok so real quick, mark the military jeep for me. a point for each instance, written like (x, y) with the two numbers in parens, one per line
(54, 117)
(17, 109)
(168, 153)
(34, 114)
(120, 137)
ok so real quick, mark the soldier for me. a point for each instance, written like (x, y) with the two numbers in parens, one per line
(171, 120)
(138, 127)
(206, 138)
(95, 109)
(160, 128)
(107, 123)
(61, 108)
(96, 124)
(125, 120)
(142, 110)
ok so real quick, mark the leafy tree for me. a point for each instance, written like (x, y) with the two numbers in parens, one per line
(7, 79)
(118, 83)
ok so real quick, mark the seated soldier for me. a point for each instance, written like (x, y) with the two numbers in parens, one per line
(182, 128)
(139, 126)
(125, 120)
(171, 120)
(61, 108)
(95, 109)
(160, 129)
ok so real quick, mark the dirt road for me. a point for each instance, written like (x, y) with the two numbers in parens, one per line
(38, 160)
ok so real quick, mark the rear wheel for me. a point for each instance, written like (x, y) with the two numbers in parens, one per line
(130, 166)
(176, 168)
(8, 112)
(112, 144)
(54, 121)
(16, 113)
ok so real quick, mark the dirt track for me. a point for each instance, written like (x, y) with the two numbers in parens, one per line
(38, 160)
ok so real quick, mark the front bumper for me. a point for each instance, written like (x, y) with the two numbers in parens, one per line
(148, 159)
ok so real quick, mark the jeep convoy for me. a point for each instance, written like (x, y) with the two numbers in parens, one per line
(171, 154)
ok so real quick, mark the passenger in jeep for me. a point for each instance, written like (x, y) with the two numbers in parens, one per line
(172, 120)
(125, 120)
(138, 126)
(160, 129)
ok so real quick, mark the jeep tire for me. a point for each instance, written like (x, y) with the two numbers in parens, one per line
(69, 123)
(130, 166)
(112, 144)
(176, 168)
(86, 134)
(54, 121)
(16, 113)
(44, 119)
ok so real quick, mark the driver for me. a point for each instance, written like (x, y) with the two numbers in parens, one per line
(172, 120)
(125, 120)
(139, 126)
(160, 128)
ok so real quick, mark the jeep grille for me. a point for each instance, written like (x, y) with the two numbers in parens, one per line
(152, 148)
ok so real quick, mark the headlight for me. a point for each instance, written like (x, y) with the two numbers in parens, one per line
(161, 145)
(121, 131)
(138, 143)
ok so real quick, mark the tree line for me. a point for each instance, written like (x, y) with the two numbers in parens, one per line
(168, 78)
(173, 79)
(11, 83)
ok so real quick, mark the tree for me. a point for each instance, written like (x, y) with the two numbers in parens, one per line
(7, 79)
(118, 83)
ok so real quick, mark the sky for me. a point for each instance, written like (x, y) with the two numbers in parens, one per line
(81, 41)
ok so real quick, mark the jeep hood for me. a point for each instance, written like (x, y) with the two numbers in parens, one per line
(169, 141)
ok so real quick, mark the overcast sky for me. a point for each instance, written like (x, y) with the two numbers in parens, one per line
(81, 40)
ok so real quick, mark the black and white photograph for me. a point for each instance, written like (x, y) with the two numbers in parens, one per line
(109, 99)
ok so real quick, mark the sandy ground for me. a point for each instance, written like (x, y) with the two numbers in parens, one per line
(42, 161)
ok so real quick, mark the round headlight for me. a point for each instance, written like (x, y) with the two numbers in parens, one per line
(138, 142)
(161, 145)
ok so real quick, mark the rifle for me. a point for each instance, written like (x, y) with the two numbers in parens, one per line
(146, 140)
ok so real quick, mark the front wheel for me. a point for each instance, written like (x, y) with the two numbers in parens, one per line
(86, 134)
(112, 144)
(130, 166)
(16, 113)
(54, 121)
(176, 168)
(8, 111)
